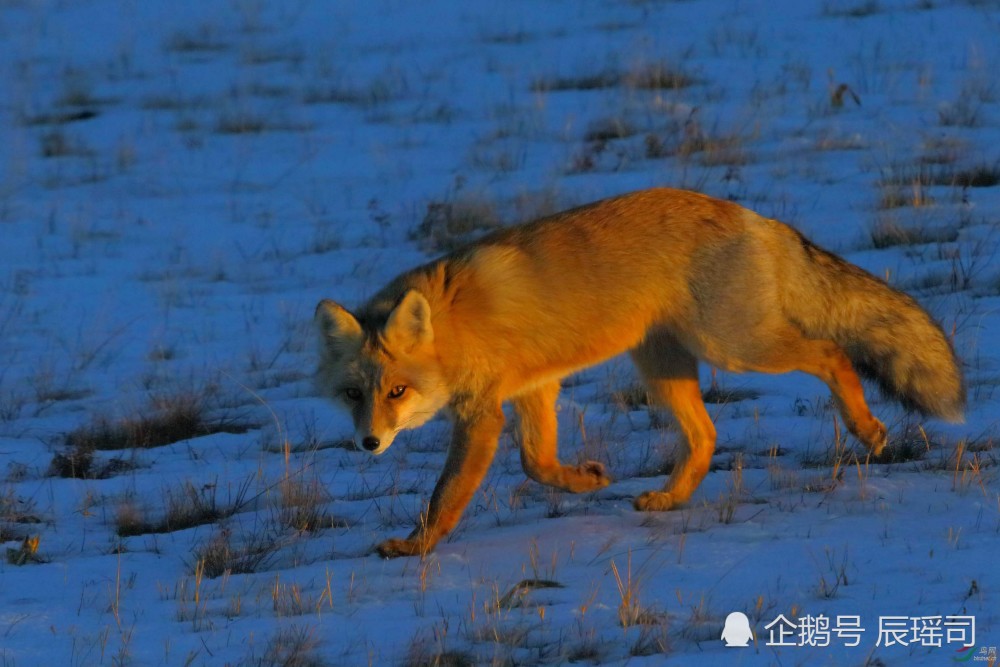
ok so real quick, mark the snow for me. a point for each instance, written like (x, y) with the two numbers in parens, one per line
(181, 182)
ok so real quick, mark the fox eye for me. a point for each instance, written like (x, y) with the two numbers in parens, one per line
(397, 391)
(353, 393)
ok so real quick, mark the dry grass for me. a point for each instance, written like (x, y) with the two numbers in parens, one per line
(75, 463)
(450, 224)
(609, 129)
(26, 552)
(718, 395)
(15, 515)
(657, 76)
(887, 232)
(80, 462)
(224, 554)
(189, 507)
(977, 176)
(914, 196)
(908, 443)
(58, 117)
(420, 654)
(11, 514)
(205, 38)
(245, 121)
(166, 422)
(965, 111)
(730, 502)
(58, 144)
(850, 9)
(302, 504)
(689, 139)
(293, 646)
(907, 184)
(630, 611)
(834, 574)
(519, 592)
(631, 398)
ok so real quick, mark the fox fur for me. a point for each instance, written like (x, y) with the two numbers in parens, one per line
(669, 276)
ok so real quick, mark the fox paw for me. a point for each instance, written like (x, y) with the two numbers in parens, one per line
(396, 547)
(588, 476)
(654, 501)
(876, 438)
(881, 439)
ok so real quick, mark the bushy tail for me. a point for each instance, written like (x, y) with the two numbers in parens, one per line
(887, 335)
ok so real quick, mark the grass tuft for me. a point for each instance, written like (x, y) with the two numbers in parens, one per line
(420, 655)
(169, 421)
(978, 176)
(293, 647)
(26, 552)
(887, 233)
(15, 514)
(74, 463)
(190, 507)
(79, 462)
(852, 9)
(302, 504)
(222, 554)
(658, 76)
(716, 394)
(448, 225)
(631, 398)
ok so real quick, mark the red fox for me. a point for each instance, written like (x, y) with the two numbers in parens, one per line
(669, 276)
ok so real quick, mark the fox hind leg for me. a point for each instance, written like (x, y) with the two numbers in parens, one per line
(828, 362)
(671, 374)
(536, 411)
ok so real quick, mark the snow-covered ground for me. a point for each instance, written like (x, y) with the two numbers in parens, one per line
(180, 182)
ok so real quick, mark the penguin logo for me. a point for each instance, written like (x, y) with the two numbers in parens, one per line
(737, 631)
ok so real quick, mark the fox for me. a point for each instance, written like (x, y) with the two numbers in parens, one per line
(672, 277)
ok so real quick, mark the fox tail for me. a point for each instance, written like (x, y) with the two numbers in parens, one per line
(886, 334)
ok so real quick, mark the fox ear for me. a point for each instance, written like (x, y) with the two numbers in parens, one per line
(409, 323)
(338, 329)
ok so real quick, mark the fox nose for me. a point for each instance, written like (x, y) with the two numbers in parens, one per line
(370, 443)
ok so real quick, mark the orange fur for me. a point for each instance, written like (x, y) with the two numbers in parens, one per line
(668, 275)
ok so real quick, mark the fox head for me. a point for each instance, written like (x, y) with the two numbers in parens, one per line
(385, 373)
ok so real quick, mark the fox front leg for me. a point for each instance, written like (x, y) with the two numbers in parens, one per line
(536, 411)
(473, 444)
